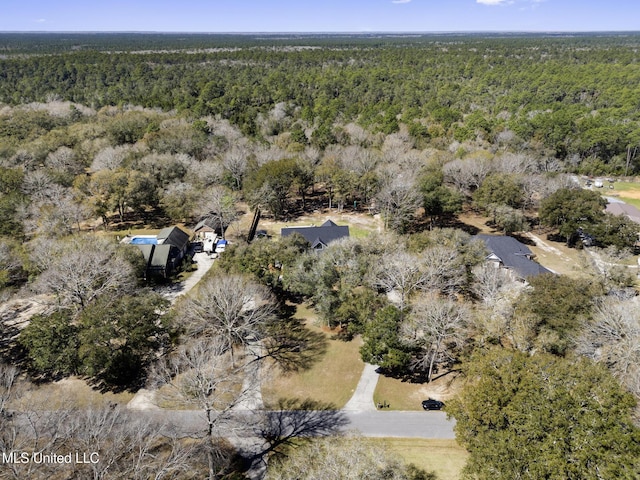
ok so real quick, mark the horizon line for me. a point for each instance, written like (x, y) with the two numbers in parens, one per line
(320, 32)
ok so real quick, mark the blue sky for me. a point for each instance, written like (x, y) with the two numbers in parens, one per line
(319, 15)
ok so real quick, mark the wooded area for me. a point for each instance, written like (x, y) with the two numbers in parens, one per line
(108, 133)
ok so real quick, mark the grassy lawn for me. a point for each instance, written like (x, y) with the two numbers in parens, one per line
(444, 457)
(332, 379)
(625, 187)
(408, 396)
(627, 191)
(561, 259)
(478, 221)
(74, 392)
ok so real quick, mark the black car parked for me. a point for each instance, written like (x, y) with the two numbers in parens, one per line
(197, 247)
(431, 404)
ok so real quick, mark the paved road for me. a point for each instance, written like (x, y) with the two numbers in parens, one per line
(429, 424)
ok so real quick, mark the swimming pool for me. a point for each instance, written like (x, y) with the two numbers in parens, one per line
(144, 241)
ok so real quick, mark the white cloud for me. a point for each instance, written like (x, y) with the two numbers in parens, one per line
(495, 2)
(400, 1)
(509, 2)
(41, 20)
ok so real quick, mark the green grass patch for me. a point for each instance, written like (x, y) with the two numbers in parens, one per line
(401, 395)
(444, 457)
(357, 231)
(629, 192)
(631, 201)
(625, 186)
(398, 394)
(332, 379)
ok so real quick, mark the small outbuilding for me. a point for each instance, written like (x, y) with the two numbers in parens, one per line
(208, 228)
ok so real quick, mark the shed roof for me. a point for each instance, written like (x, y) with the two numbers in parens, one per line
(155, 255)
(208, 224)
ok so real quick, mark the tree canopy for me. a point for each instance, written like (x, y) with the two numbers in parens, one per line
(539, 416)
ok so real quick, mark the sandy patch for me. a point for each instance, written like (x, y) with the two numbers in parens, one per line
(634, 194)
(545, 246)
(18, 311)
(442, 388)
(143, 400)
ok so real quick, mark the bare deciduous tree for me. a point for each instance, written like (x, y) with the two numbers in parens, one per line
(358, 135)
(437, 327)
(613, 338)
(467, 175)
(517, 163)
(219, 204)
(64, 160)
(56, 213)
(445, 270)
(110, 158)
(398, 199)
(128, 445)
(111, 443)
(231, 308)
(8, 386)
(235, 162)
(203, 375)
(488, 281)
(10, 264)
(400, 272)
(204, 174)
(348, 458)
(37, 185)
(82, 268)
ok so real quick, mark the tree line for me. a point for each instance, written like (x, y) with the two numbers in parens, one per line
(570, 97)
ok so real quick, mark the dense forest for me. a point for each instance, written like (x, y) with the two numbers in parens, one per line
(410, 135)
(573, 97)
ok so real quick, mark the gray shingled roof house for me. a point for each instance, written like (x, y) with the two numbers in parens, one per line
(318, 237)
(163, 257)
(513, 255)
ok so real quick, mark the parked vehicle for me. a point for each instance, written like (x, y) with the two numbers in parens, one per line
(431, 404)
(220, 246)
